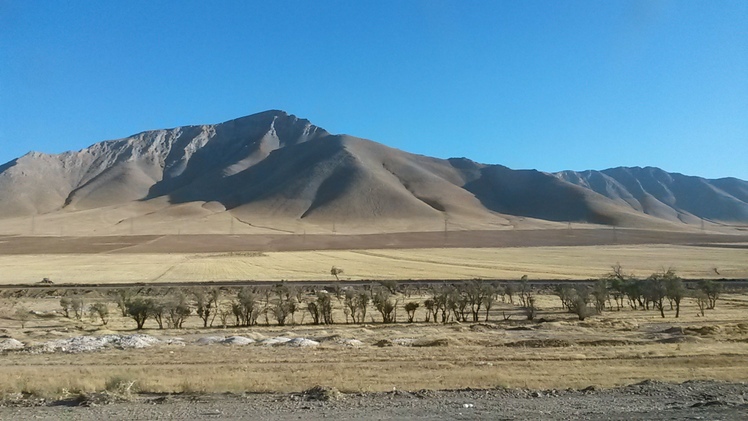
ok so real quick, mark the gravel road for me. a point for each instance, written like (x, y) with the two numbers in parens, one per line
(693, 400)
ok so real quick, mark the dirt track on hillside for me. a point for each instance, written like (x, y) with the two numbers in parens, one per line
(12, 245)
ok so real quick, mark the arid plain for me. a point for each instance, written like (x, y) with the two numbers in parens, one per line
(571, 254)
(264, 254)
(555, 350)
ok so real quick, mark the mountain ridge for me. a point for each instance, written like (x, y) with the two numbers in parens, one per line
(282, 170)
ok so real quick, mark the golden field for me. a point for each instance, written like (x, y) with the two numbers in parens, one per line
(573, 262)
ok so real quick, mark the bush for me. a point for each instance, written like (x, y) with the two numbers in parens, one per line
(139, 310)
(385, 305)
(411, 308)
(712, 289)
(120, 385)
(100, 310)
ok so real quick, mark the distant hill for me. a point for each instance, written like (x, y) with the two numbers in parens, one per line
(275, 171)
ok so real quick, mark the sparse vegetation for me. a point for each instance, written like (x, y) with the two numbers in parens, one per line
(336, 272)
(468, 301)
(139, 309)
(614, 338)
(101, 311)
(411, 308)
(712, 290)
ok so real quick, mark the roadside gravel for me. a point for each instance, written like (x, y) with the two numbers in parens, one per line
(693, 400)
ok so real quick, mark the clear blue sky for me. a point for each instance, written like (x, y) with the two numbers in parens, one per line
(550, 85)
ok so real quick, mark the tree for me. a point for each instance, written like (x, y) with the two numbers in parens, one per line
(442, 302)
(321, 310)
(654, 291)
(363, 304)
(712, 289)
(566, 294)
(335, 271)
(206, 303)
(156, 311)
(702, 300)
(100, 310)
(489, 297)
(530, 309)
(390, 284)
(23, 315)
(411, 308)
(510, 290)
(313, 309)
(355, 302)
(325, 304)
(580, 297)
(600, 294)
(283, 306)
(122, 297)
(384, 304)
(525, 291)
(624, 286)
(139, 310)
(674, 289)
(66, 304)
(430, 309)
(76, 303)
(246, 309)
(475, 292)
(280, 311)
(177, 310)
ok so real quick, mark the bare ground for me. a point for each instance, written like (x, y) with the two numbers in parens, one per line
(14, 245)
(707, 400)
(525, 360)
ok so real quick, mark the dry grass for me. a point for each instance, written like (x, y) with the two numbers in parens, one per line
(262, 370)
(613, 349)
(456, 263)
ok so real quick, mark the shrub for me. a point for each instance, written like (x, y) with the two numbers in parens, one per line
(335, 271)
(411, 308)
(100, 310)
(206, 303)
(139, 310)
(66, 304)
(176, 311)
(712, 289)
(385, 305)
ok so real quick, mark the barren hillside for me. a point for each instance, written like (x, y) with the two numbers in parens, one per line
(274, 172)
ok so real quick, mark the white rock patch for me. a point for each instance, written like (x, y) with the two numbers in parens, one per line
(79, 344)
(302, 342)
(274, 341)
(237, 340)
(10, 344)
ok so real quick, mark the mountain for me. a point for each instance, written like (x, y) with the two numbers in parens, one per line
(273, 171)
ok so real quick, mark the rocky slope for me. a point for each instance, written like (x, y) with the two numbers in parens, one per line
(276, 166)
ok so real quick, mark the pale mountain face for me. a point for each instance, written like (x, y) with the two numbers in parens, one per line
(276, 168)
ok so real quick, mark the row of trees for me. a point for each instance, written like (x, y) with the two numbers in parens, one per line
(658, 291)
(280, 304)
(470, 301)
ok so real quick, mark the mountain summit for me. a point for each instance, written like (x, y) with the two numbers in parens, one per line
(274, 171)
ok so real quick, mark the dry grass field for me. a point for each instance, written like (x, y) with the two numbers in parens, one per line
(554, 351)
(579, 262)
(540, 254)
